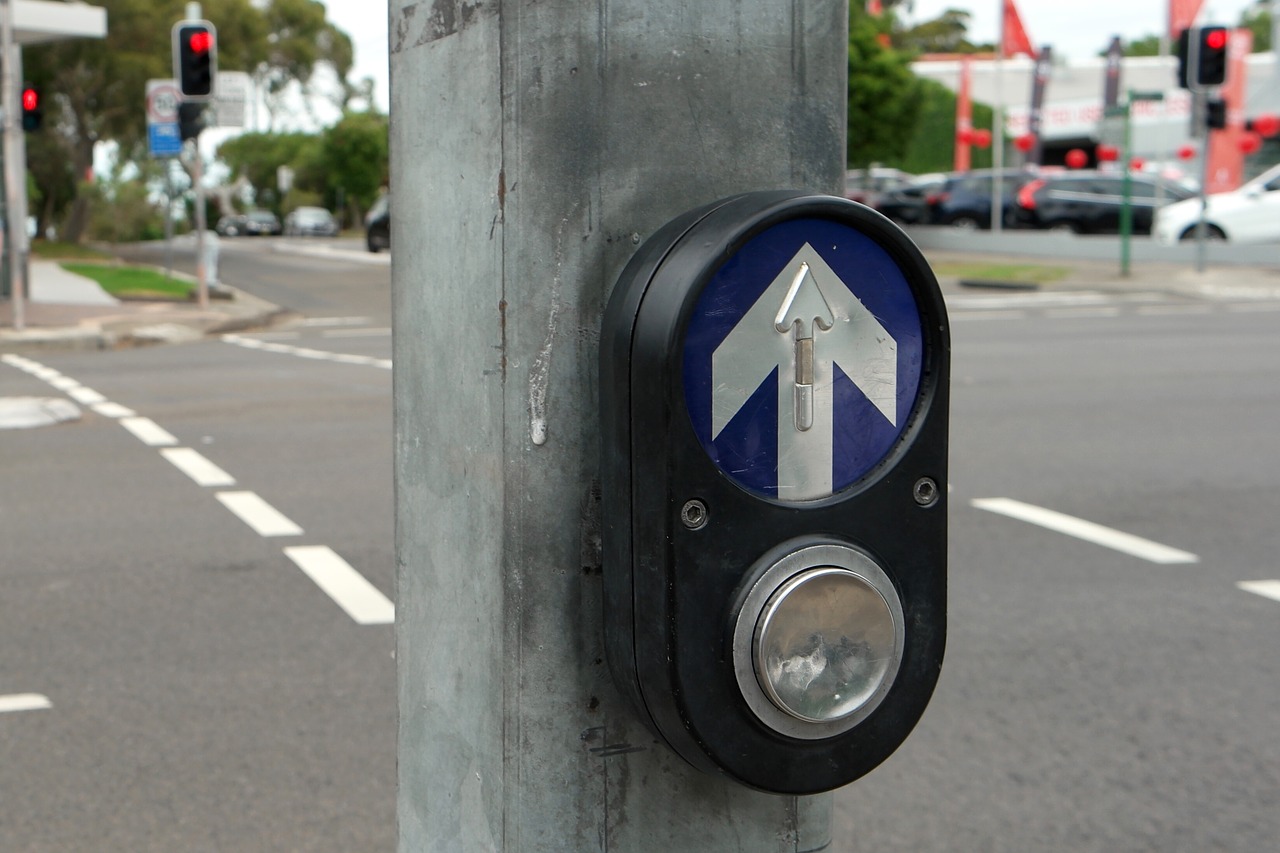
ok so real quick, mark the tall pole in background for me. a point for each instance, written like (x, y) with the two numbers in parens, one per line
(536, 147)
(15, 160)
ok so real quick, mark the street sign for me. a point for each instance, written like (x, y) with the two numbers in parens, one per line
(164, 140)
(773, 391)
(231, 100)
(163, 100)
(797, 384)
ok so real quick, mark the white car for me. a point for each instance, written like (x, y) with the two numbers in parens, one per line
(1250, 214)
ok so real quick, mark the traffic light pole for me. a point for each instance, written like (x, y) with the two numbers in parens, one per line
(536, 147)
(15, 159)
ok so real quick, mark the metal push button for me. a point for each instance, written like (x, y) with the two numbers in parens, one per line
(818, 641)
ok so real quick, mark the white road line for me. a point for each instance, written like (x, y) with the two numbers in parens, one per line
(349, 589)
(198, 468)
(1082, 313)
(336, 321)
(265, 519)
(85, 396)
(1253, 308)
(307, 352)
(277, 336)
(987, 315)
(356, 333)
(1173, 310)
(113, 410)
(63, 383)
(1097, 534)
(24, 702)
(1266, 589)
(148, 431)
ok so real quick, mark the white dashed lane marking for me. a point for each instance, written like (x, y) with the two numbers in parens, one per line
(148, 431)
(1088, 531)
(361, 600)
(24, 702)
(1266, 589)
(194, 465)
(265, 519)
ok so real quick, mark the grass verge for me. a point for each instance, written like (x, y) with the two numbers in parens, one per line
(56, 251)
(1036, 273)
(125, 282)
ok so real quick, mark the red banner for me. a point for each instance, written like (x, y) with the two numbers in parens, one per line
(1182, 14)
(1013, 36)
(1226, 157)
(964, 116)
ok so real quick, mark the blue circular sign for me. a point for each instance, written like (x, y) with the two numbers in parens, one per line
(802, 359)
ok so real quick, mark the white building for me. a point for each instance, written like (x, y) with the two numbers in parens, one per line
(1073, 102)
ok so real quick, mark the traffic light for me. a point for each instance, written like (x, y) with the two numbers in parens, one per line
(774, 385)
(195, 58)
(190, 120)
(1202, 57)
(1211, 58)
(1215, 113)
(32, 109)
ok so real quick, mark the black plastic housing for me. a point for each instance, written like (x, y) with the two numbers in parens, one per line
(671, 592)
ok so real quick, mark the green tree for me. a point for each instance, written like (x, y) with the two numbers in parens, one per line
(1146, 46)
(356, 161)
(1258, 19)
(932, 146)
(258, 156)
(95, 87)
(948, 33)
(884, 95)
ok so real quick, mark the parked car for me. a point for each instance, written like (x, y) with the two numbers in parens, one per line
(1091, 202)
(377, 225)
(867, 185)
(964, 200)
(310, 221)
(1250, 214)
(909, 205)
(231, 225)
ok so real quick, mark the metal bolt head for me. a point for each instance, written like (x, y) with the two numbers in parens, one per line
(694, 514)
(925, 491)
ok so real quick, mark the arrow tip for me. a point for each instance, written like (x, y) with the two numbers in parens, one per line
(804, 304)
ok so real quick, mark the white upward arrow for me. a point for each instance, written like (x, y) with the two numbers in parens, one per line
(806, 322)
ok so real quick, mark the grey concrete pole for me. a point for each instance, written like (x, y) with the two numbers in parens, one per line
(534, 146)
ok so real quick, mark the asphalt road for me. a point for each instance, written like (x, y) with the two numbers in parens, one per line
(1093, 699)
(205, 691)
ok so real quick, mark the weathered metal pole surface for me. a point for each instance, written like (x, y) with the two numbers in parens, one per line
(534, 146)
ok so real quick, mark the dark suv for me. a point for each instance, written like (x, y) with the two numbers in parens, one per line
(1090, 202)
(964, 199)
(377, 225)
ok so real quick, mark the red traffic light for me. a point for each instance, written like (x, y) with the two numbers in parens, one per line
(30, 99)
(1215, 38)
(1077, 159)
(200, 41)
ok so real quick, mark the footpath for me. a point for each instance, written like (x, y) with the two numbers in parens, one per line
(67, 311)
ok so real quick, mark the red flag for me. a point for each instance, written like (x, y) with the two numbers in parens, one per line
(1226, 158)
(1013, 36)
(964, 117)
(1182, 14)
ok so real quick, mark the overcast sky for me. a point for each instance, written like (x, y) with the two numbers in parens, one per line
(366, 23)
(1077, 29)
